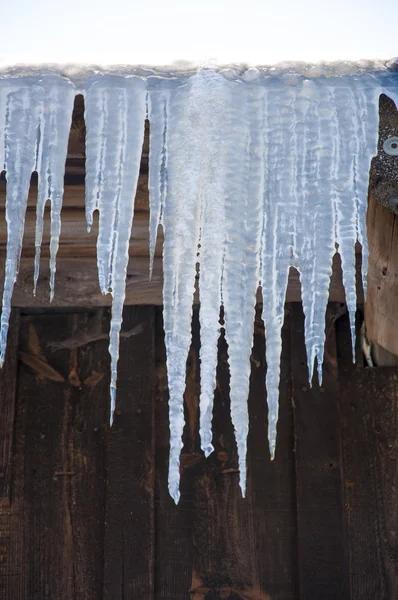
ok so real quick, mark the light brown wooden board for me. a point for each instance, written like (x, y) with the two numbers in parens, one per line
(76, 278)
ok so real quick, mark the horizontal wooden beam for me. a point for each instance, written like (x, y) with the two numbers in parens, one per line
(76, 277)
(76, 284)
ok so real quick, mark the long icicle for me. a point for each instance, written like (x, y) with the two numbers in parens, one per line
(115, 110)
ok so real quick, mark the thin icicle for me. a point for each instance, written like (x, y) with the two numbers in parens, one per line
(345, 192)
(316, 132)
(212, 226)
(21, 135)
(55, 121)
(158, 109)
(279, 235)
(367, 92)
(243, 208)
(115, 114)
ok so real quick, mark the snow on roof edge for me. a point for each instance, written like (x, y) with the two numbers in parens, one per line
(185, 68)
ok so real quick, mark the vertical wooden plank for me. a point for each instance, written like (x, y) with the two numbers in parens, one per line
(216, 544)
(369, 408)
(8, 379)
(322, 557)
(10, 515)
(129, 536)
(381, 307)
(62, 404)
(173, 564)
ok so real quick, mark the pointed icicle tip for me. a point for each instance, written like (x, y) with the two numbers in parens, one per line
(113, 404)
(208, 450)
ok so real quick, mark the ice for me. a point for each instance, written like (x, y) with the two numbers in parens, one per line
(158, 110)
(115, 110)
(251, 172)
(279, 209)
(243, 227)
(20, 110)
(189, 130)
(54, 127)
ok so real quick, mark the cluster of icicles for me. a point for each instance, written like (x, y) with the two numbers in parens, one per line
(247, 175)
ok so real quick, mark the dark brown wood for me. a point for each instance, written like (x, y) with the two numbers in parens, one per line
(173, 562)
(271, 492)
(12, 552)
(8, 381)
(369, 401)
(130, 535)
(320, 503)
(215, 543)
(90, 516)
(56, 519)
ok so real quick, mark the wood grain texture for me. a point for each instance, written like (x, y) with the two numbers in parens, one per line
(64, 456)
(215, 543)
(8, 383)
(381, 309)
(369, 416)
(129, 533)
(76, 283)
(319, 480)
(90, 516)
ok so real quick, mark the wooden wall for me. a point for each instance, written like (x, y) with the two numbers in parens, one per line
(85, 512)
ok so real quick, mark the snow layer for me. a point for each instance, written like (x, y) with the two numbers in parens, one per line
(251, 172)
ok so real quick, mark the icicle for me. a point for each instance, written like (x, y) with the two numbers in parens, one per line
(261, 172)
(345, 192)
(20, 133)
(317, 134)
(115, 118)
(158, 108)
(190, 132)
(280, 230)
(212, 192)
(54, 127)
(243, 209)
(367, 91)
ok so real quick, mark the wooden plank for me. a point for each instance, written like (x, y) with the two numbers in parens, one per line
(271, 485)
(320, 504)
(173, 572)
(381, 310)
(129, 536)
(369, 417)
(11, 502)
(8, 379)
(216, 544)
(63, 407)
(76, 284)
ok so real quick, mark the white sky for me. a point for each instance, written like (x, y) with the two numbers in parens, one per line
(161, 31)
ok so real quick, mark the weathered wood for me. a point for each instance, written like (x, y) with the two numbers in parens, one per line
(369, 418)
(13, 553)
(215, 543)
(76, 283)
(76, 278)
(84, 520)
(381, 310)
(320, 504)
(173, 571)
(61, 447)
(129, 534)
(271, 484)
(8, 381)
